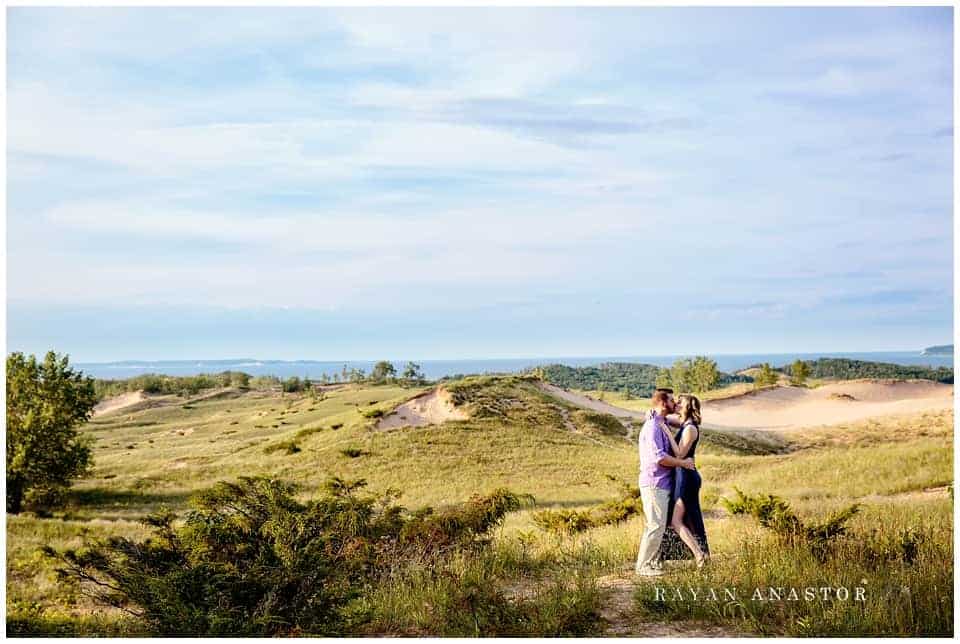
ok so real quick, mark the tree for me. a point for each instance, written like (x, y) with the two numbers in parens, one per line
(382, 371)
(680, 374)
(46, 402)
(766, 377)
(799, 372)
(413, 373)
(663, 379)
(704, 374)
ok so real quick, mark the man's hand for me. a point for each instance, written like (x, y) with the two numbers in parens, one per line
(687, 463)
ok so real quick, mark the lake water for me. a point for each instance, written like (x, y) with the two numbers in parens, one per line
(438, 368)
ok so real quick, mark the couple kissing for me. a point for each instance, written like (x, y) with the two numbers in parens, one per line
(670, 483)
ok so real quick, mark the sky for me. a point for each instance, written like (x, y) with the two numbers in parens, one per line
(453, 183)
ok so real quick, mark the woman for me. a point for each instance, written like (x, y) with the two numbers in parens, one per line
(684, 515)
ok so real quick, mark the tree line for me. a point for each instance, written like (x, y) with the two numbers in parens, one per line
(846, 369)
(634, 379)
(152, 383)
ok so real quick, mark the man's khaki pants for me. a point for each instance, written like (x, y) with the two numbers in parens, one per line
(656, 502)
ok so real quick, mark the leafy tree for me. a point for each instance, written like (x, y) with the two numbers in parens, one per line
(681, 375)
(413, 373)
(383, 371)
(799, 372)
(292, 385)
(663, 379)
(766, 377)
(46, 402)
(265, 382)
(356, 376)
(704, 374)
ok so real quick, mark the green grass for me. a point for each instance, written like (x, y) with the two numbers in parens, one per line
(519, 438)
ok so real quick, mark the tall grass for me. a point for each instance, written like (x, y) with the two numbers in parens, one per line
(520, 438)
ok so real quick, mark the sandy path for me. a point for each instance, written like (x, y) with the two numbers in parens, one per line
(431, 408)
(620, 614)
(587, 402)
(784, 408)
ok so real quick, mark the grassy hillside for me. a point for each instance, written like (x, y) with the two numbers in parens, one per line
(522, 439)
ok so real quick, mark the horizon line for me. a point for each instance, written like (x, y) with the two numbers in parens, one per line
(491, 359)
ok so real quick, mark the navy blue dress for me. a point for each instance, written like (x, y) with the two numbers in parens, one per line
(686, 486)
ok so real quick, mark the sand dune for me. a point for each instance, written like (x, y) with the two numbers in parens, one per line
(116, 403)
(431, 408)
(783, 408)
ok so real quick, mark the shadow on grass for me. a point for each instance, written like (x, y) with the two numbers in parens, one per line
(100, 497)
(31, 625)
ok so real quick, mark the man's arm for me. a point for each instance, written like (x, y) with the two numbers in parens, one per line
(661, 440)
(671, 461)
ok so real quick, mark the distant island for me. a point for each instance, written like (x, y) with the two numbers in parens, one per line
(939, 350)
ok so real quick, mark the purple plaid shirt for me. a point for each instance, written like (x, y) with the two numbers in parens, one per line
(654, 446)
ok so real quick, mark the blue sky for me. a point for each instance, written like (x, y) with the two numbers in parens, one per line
(446, 183)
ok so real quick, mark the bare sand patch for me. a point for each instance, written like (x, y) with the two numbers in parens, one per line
(116, 403)
(582, 400)
(432, 408)
(786, 407)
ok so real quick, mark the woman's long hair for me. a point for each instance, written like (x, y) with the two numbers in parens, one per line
(690, 409)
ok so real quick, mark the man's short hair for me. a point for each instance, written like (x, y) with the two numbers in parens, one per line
(660, 397)
(666, 390)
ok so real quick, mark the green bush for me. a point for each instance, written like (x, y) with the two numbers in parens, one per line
(774, 513)
(573, 521)
(289, 447)
(251, 560)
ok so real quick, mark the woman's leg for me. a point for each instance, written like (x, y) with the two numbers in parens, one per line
(684, 532)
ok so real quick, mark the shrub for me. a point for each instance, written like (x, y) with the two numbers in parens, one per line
(572, 521)
(774, 513)
(308, 431)
(251, 560)
(289, 447)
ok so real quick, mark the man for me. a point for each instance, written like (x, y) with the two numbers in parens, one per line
(656, 479)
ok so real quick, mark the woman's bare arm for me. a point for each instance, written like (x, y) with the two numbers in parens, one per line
(689, 435)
